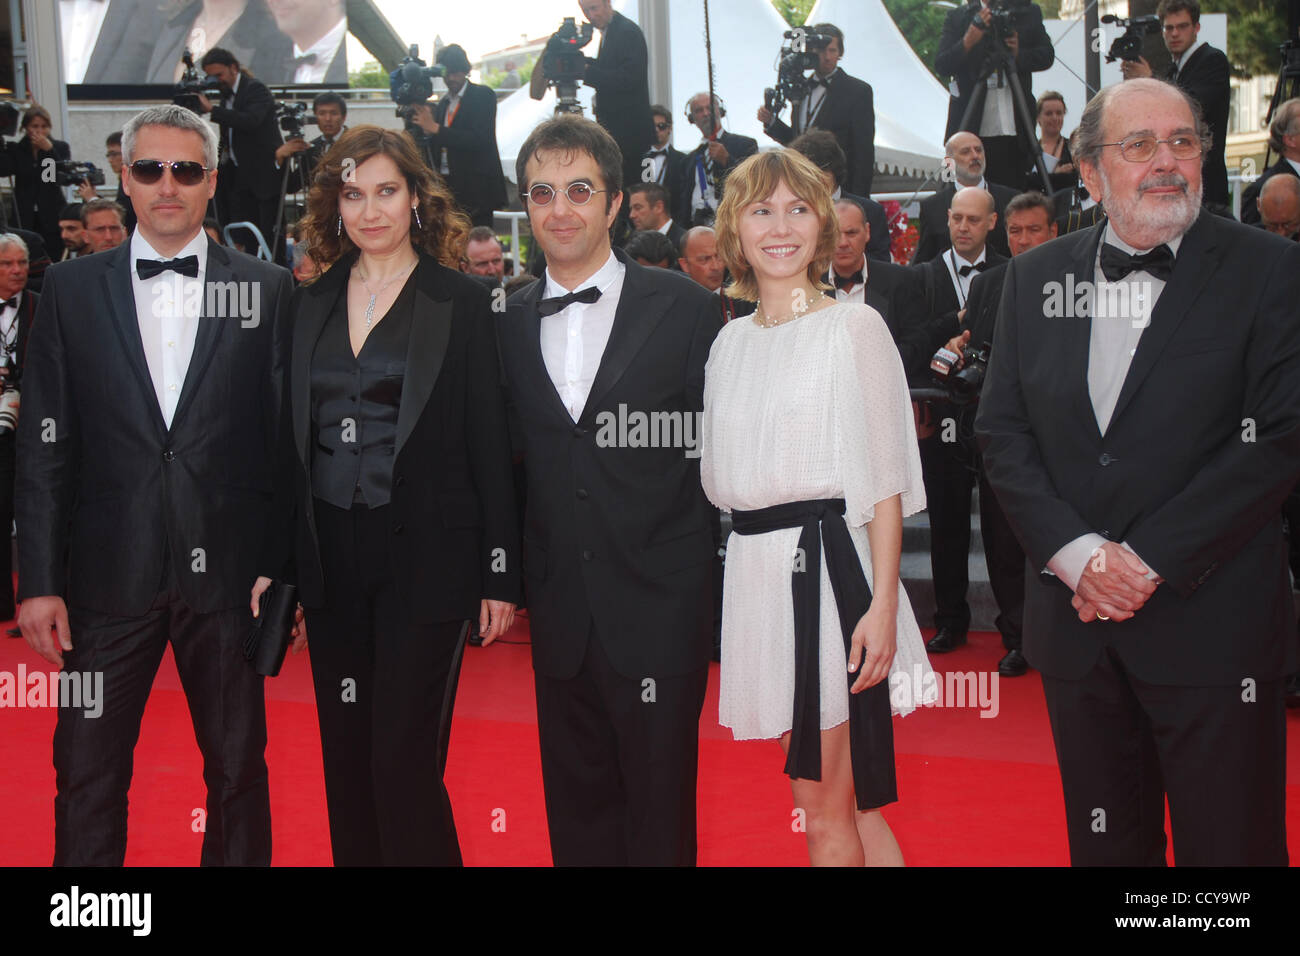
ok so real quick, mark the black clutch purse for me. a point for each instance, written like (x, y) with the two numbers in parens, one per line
(268, 638)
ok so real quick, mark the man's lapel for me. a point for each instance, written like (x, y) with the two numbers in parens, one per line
(1077, 328)
(120, 295)
(211, 327)
(530, 328)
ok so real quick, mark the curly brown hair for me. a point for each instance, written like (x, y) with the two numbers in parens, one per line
(445, 226)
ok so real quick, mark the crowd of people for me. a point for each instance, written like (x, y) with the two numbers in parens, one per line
(422, 455)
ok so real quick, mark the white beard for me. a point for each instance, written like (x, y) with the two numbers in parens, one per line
(1147, 225)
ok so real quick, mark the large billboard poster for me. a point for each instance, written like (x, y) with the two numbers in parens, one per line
(137, 42)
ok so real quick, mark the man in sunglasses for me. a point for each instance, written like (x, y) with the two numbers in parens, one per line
(144, 486)
(618, 545)
(663, 163)
(1140, 424)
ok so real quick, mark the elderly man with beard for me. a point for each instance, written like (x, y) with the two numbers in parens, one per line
(1141, 440)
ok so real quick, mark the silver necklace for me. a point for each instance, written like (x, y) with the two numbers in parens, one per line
(374, 296)
(767, 322)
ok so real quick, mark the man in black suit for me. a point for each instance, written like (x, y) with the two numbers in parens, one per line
(620, 76)
(947, 461)
(330, 110)
(248, 187)
(825, 153)
(1202, 71)
(618, 544)
(1142, 441)
(965, 160)
(1283, 139)
(838, 103)
(312, 44)
(16, 313)
(461, 139)
(708, 164)
(965, 46)
(169, 386)
(1279, 207)
(663, 163)
(648, 209)
(121, 48)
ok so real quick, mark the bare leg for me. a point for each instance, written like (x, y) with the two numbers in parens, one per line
(878, 843)
(827, 804)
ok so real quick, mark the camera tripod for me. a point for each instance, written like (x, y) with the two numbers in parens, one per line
(999, 60)
(1288, 72)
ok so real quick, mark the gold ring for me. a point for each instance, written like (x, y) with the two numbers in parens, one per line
(1102, 617)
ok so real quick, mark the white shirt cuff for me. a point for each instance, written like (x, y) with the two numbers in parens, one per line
(1068, 563)
(1151, 574)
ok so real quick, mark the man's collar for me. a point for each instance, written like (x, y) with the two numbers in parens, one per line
(1187, 54)
(1295, 164)
(860, 267)
(327, 44)
(196, 246)
(601, 278)
(958, 260)
(1111, 238)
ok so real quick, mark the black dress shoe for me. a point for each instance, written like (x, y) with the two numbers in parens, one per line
(946, 639)
(14, 632)
(1013, 664)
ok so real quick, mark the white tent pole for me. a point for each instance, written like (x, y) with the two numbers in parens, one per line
(654, 18)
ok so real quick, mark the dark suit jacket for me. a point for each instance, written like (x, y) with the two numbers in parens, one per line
(38, 202)
(620, 77)
(849, 113)
(941, 301)
(897, 293)
(125, 43)
(738, 147)
(274, 64)
(456, 535)
(617, 533)
(123, 200)
(470, 142)
(255, 136)
(1194, 491)
(878, 246)
(26, 314)
(1036, 53)
(117, 492)
(1250, 211)
(932, 224)
(254, 30)
(1205, 78)
(982, 304)
(674, 173)
(1073, 218)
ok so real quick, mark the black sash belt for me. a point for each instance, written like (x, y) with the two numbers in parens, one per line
(871, 731)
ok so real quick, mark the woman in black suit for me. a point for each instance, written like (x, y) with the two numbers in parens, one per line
(1054, 144)
(397, 474)
(37, 197)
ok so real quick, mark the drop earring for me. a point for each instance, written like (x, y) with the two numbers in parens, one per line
(339, 230)
(416, 210)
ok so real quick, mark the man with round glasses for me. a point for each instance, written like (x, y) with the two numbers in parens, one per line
(150, 418)
(618, 541)
(1140, 423)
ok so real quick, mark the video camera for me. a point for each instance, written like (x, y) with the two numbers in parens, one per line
(564, 66)
(1002, 22)
(293, 117)
(69, 172)
(194, 83)
(799, 54)
(961, 384)
(1128, 45)
(411, 84)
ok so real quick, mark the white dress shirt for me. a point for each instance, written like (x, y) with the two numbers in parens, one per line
(9, 322)
(812, 104)
(80, 22)
(856, 292)
(168, 307)
(1119, 318)
(961, 283)
(228, 102)
(326, 48)
(1178, 63)
(658, 163)
(573, 340)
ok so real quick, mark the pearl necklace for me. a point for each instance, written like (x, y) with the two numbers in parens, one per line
(763, 320)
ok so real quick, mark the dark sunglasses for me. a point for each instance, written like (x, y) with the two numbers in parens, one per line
(185, 172)
(663, 126)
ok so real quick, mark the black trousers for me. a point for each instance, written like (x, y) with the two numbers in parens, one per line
(7, 464)
(1123, 745)
(949, 481)
(619, 764)
(384, 695)
(93, 754)
(236, 202)
(1006, 563)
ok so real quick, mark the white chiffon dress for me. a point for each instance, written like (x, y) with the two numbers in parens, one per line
(814, 408)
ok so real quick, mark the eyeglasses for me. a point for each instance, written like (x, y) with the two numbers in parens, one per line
(185, 172)
(579, 194)
(1177, 27)
(1140, 149)
(663, 126)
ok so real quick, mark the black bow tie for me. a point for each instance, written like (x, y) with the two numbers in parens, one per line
(964, 271)
(551, 306)
(659, 152)
(305, 58)
(148, 268)
(1116, 263)
(848, 282)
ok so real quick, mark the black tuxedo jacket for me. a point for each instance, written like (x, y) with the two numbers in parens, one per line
(941, 301)
(1036, 53)
(253, 31)
(620, 77)
(117, 493)
(456, 535)
(125, 43)
(616, 532)
(738, 147)
(274, 63)
(1205, 78)
(473, 160)
(254, 137)
(878, 245)
(673, 175)
(896, 292)
(26, 314)
(1249, 211)
(1202, 449)
(933, 222)
(982, 304)
(849, 113)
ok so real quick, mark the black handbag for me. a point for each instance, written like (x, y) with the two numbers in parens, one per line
(272, 629)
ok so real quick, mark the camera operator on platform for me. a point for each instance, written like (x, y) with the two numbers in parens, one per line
(330, 110)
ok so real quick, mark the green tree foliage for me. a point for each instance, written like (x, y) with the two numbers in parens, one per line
(370, 76)
(1256, 28)
(920, 23)
(795, 12)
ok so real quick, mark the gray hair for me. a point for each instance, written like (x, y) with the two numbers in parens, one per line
(8, 239)
(1286, 122)
(175, 117)
(1088, 139)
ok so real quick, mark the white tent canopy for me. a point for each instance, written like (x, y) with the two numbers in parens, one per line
(746, 34)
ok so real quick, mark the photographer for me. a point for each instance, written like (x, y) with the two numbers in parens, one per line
(1202, 71)
(966, 47)
(461, 139)
(15, 326)
(838, 103)
(329, 111)
(708, 164)
(38, 198)
(248, 182)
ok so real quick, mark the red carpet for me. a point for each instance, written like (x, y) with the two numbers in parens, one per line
(973, 791)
